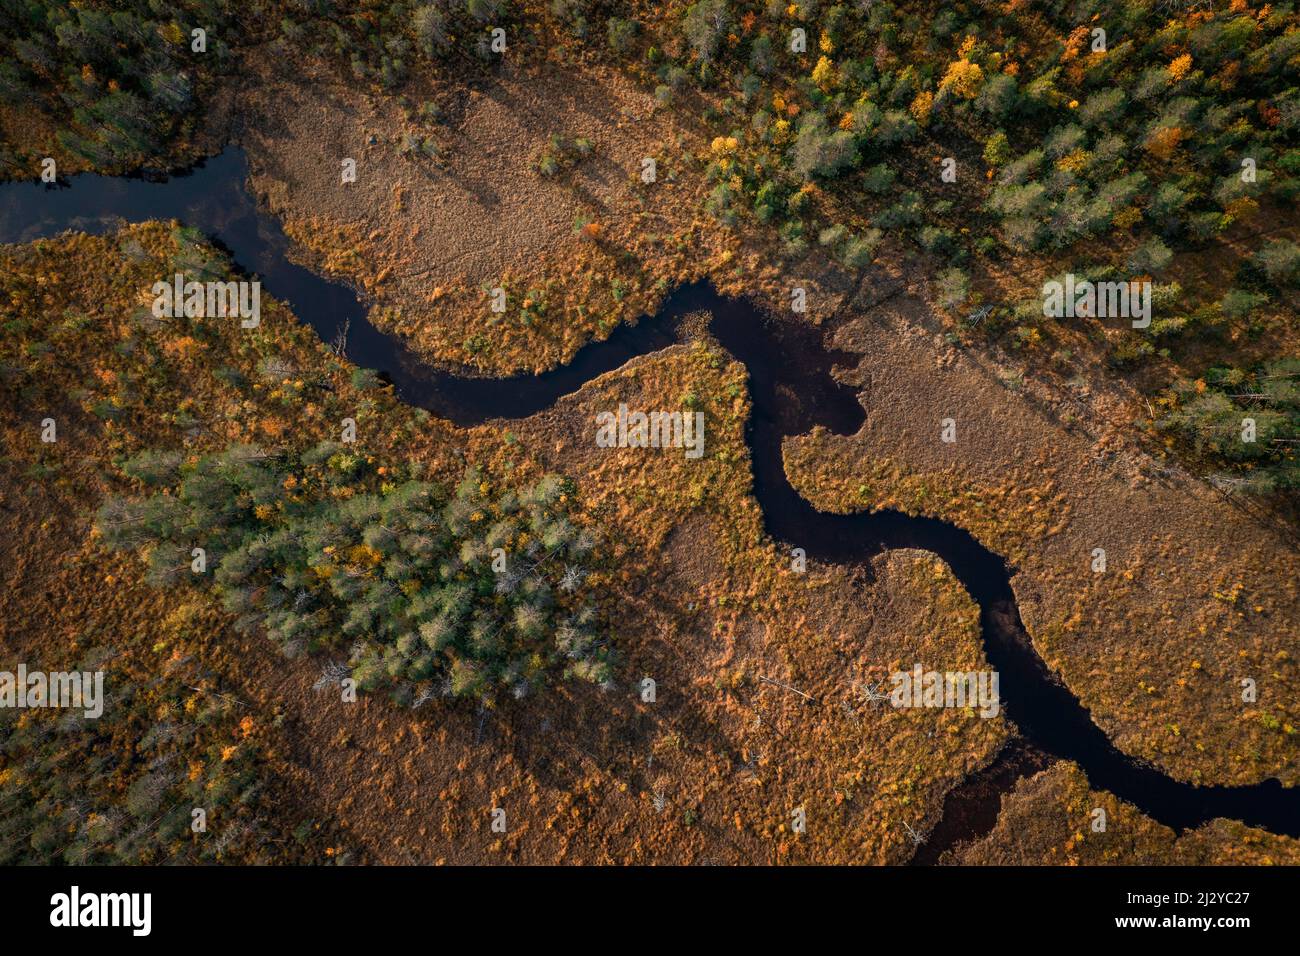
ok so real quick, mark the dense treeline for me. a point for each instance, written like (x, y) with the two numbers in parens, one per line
(471, 594)
(1061, 135)
(1246, 421)
(120, 81)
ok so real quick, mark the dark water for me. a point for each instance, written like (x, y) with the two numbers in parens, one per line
(792, 390)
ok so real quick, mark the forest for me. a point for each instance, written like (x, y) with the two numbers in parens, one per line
(470, 596)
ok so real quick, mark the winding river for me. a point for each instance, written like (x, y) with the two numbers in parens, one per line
(792, 390)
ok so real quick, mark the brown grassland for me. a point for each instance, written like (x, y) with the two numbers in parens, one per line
(703, 602)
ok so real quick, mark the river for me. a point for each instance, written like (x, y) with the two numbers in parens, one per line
(792, 390)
